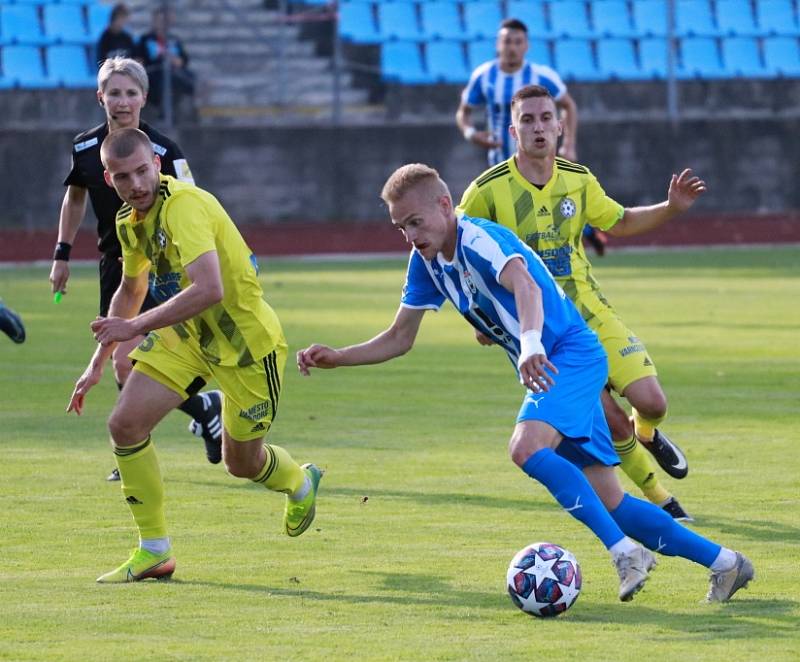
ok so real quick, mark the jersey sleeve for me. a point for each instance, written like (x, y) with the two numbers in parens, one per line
(473, 95)
(601, 211)
(551, 81)
(77, 174)
(419, 290)
(494, 247)
(175, 164)
(189, 225)
(473, 203)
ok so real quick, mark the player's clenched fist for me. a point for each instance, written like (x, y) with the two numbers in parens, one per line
(317, 356)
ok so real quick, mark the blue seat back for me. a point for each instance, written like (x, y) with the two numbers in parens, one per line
(65, 23)
(69, 65)
(568, 18)
(98, 16)
(20, 24)
(480, 51)
(611, 18)
(398, 20)
(446, 61)
(693, 18)
(650, 18)
(741, 57)
(776, 17)
(735, 17)
(700, 58)
(441, 20)
(356, 23)
(531, 13)
(482, 18)
(24, 64)
(653, 58)
(782, 56)
(401, 61)
(616, 58)
(574, 60)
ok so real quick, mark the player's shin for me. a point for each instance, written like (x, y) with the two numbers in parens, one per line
(142, 487)
(640, 467)
(575, 494)
(655, 529)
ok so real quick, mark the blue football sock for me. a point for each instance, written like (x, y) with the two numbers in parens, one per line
(652, 527)
(575, 494)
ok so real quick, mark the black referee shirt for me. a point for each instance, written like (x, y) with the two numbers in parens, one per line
(87, 172)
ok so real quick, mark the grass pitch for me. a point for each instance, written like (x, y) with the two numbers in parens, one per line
(420, 510)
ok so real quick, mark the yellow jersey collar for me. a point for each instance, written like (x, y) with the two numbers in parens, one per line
(522, 180)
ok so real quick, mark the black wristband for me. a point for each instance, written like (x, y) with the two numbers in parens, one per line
(62, 251)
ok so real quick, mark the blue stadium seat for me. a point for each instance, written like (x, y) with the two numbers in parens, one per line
(741, 58)
(782, 56)
(776, 17)
(441, 20)
(24, 64)
(700, 58)
(446, 62)
(20, 24)
(68, 64)
(650, 18)
(653, 59)
(64, 23)
(481, 18)
(735, 18)
(611, 19)
(480, 51)
(99, 16)
(693, 18)
(398, 20)
(574, 60)
(356, 23)
(401, 61)
(616, 59)
(539, 52)
(68, 2)
(531, 13)
(568, 18)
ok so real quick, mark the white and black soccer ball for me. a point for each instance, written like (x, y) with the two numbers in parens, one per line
(544, 579)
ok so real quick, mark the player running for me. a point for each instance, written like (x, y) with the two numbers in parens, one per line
(214, 323)
(503, 289)
(546, 200)
(122, 88)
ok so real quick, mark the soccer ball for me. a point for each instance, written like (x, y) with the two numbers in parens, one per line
(544, 579)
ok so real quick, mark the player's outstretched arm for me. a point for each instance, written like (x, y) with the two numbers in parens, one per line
(73, 209)
(684, 189)
(391, 343)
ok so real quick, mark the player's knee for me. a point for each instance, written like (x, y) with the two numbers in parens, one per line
(654, 406)
(125, 429)
(520, 448)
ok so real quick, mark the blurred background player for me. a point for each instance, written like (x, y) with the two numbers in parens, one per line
(122, 87)
(11, 324)
(491, 87)
(550, 218)
(116, 41)
(214, 323)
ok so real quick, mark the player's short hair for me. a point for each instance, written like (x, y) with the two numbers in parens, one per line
(122, 143)
(513, 24)
(120, 9)
(530, 92)
(125, 66)
(408, 177)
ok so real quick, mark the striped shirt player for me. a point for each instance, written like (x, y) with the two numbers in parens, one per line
(491, 87)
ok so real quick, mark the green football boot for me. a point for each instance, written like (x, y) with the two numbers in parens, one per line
(299, 514)
(141, 565)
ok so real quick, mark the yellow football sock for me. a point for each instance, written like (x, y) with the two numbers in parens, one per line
(645, 428)
(280, 473)
(641, 469)
(143, 487)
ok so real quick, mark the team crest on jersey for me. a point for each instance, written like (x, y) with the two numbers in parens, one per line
(161, 238)
(470, 283)
(567, 208)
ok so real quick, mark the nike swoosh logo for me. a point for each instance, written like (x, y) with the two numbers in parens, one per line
(681, 463)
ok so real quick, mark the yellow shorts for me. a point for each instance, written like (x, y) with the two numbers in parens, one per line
(628, 359)
(251, 392)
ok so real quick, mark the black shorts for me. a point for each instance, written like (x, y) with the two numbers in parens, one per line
(110, 278)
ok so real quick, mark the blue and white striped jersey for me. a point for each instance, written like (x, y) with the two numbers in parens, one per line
(471, 284)
(490, 86)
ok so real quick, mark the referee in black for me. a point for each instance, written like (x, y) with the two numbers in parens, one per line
(122, 87)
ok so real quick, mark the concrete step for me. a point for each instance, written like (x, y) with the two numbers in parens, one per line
(251, 49)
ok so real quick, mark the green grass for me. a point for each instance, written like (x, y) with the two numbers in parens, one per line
(420, 510)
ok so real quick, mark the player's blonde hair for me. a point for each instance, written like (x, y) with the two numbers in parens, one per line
(122, 143)
(408, 177)
(125, 66)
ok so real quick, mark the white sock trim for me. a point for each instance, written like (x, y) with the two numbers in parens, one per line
(155, 545)
(725, 560)
(624, 546)
(301, 493)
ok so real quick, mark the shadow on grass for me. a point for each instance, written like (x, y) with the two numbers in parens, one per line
(761, 531)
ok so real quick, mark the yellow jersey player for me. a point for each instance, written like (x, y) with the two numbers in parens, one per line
(212, 322)
(547, 201)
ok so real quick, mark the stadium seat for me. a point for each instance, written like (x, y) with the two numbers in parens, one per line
(64, 23)
(401, 62)
(531, 13)
(446, 62)
(574, 60)
(568, 18)
(356, 23)
(782, 56)
(24, 64)
(735, 18)
(741, 58)
(99, 16)
(693, 18)
(611, 19)
(539, 52)
(700, 58)
(617, 59)
(68, 65)
(650, 18)
(653, 57)
(481, 19)
(398, 20)
(776, 17)
(441, 20)
(480, 51)
(20, 24)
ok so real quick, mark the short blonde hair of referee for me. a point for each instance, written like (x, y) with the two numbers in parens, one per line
(125, 66)
(409, 177)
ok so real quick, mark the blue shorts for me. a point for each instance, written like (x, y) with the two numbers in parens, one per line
(572, 406)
